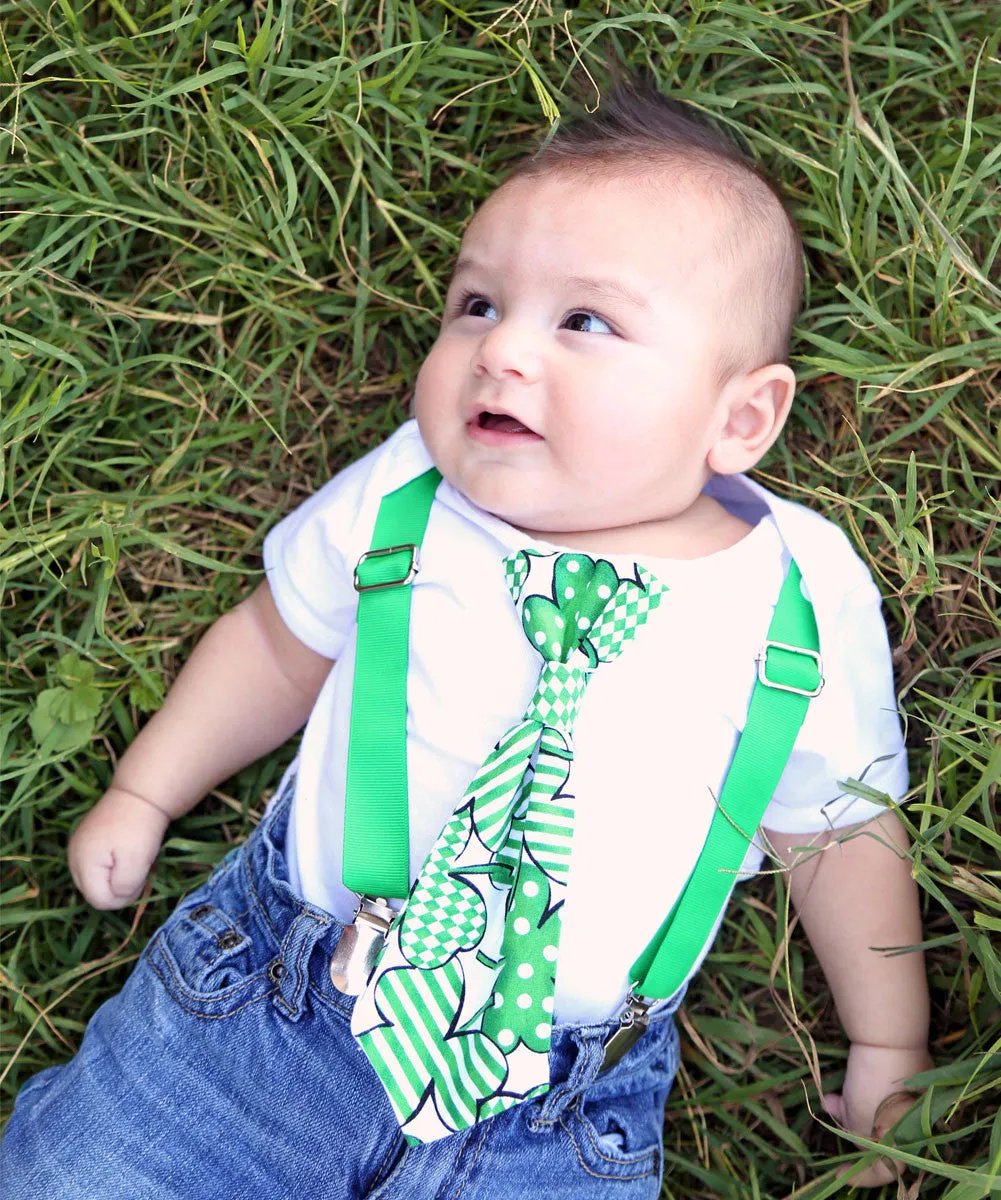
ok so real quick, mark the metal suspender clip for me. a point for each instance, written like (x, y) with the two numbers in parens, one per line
(356, 953)
(762, 661)
(633, 1020)
(407, 577)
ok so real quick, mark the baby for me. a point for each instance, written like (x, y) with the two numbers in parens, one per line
(610, 362)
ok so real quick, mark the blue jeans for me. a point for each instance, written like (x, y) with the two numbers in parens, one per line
(226, 1068)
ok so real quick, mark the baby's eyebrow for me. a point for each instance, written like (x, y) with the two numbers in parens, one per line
(613, 289)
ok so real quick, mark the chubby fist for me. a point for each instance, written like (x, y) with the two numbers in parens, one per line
(873, 1099)
(112, 849)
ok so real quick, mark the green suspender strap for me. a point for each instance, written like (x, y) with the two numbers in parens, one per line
(789, 676)
(376, 823)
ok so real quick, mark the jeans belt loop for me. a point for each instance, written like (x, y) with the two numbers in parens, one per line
(291, 982)
(583, 1072)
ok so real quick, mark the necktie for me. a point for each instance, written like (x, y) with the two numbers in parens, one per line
(457, 1015)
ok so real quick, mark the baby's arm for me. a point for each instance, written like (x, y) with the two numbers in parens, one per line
(853, 897)
(247, 687)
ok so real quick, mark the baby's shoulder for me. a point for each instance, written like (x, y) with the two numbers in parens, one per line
(359, 487)
(338, 519)
(823, 551)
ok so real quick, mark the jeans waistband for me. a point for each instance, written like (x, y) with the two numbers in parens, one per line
(306, 937)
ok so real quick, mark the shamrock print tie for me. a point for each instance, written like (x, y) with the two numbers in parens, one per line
(457, 1015)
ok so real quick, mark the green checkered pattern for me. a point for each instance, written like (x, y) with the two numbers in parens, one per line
(628, 610)
(557, 698)
(516, 572)
(444, 915)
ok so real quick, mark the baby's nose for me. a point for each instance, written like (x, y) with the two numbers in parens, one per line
(508, 350)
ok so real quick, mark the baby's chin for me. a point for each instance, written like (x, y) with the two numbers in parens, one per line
(525, 492)
(511, 510)
(552, 522)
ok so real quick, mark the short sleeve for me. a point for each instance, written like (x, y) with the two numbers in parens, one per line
(305, 561)
(310, 556)
(852, 730)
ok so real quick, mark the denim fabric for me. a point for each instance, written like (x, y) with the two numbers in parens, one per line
(226, 1068)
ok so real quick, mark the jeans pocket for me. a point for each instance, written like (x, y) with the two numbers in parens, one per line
(619, 1139)
(207, 961)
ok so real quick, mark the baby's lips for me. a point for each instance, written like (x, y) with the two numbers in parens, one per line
(502, 421)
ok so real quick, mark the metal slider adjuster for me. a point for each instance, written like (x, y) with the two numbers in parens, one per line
(762, 659)
(633, 1020)
(415, 566)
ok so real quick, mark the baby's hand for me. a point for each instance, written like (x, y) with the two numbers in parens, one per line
(112, 849)
(873, 1099)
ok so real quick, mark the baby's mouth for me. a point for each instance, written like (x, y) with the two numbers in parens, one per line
(502, 423)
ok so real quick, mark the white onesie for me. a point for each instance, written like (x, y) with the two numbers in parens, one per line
(657, 727)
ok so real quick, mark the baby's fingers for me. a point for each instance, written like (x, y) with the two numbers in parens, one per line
(112, 849)
(92, 876)
(834, 1104)
(127, 878)
(106, 880)
(886, 1169)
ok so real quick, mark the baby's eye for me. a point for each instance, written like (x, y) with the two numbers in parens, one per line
(469, 307)
(469, 304)
(587, 316)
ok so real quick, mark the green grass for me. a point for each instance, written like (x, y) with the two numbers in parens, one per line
(220, 270)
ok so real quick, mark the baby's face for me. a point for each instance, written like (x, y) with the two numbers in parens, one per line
(573, 384)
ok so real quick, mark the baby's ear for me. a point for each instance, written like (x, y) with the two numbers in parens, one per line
(754, 408)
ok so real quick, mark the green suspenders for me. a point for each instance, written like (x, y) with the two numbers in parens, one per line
(376, 823)
(376, 831)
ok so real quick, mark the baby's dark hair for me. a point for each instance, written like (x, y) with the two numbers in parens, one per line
(635, 133)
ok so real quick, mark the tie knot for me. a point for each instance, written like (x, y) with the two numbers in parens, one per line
(557, 698)
(578, 609)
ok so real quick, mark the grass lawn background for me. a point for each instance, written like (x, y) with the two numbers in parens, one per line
(225, 233)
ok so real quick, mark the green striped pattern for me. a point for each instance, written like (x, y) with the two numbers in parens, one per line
(546, 824)
(417, 1058)
(498, 783)
(495, 1105)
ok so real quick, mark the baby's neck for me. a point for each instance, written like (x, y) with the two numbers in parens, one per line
(704, 528)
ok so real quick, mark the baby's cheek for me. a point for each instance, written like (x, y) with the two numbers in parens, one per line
(427, 404)
(439, 378)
